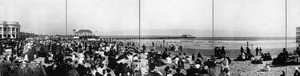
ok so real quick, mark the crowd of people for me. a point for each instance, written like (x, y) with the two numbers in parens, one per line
(182, 64)
(244, 55)
(124, 58)
(75, 57)
(108, 58)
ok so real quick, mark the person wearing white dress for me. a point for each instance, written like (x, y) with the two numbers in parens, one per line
(73, 57)
(243, 56)
(176, 60)
(225, 66)
(100, 70)
(176, 48)
(169, 60)
(26, 57)
(189, 60)
(81, 58)
(197, 66)
(94, 72)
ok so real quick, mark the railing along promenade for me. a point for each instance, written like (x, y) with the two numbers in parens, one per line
(22, 69)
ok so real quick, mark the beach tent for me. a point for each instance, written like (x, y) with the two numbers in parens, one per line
(46, 38)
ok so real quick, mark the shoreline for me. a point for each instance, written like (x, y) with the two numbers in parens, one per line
(232, 53)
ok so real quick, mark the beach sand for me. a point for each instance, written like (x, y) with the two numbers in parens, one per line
(237, 68)
(241, 68)
(245, 68)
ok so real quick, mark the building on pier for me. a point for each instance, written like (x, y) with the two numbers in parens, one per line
(84, 34)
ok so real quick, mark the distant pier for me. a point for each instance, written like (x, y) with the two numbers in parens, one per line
(137, 37)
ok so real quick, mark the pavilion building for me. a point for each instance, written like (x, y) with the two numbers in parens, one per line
(9, 30)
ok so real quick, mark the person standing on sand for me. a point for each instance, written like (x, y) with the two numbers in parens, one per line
(256, 51)
(242, 49)
(260, 50)
(248, 50)
(144, 47)
(199, 55)
(176, 48)
(193, 57)
(180, 48)
(166, 49)
(163, 43)
(31, 54)
(223, 50)
(153, 44)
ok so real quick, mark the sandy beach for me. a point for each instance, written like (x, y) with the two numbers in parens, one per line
(245, 68)
(238, 68)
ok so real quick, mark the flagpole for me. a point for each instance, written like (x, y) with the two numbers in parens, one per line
(213, 22)
(213, 25)
(286, 31)
(140, 68)
(66, 17)
(139, 24)
(66, 20)
(286, 23)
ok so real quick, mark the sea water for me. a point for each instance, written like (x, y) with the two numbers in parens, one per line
(233, 43)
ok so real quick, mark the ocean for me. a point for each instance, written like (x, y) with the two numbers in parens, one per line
(228, 42)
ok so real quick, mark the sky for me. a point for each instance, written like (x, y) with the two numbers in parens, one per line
(233, 18)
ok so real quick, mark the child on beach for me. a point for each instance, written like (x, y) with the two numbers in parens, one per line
(176, 48)
(225, 67)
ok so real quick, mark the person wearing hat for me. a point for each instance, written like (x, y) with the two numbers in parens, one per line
(178, 73)
(169, 60)
(191, 71)
(73, 72)
(296, 73)
(1, 48)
